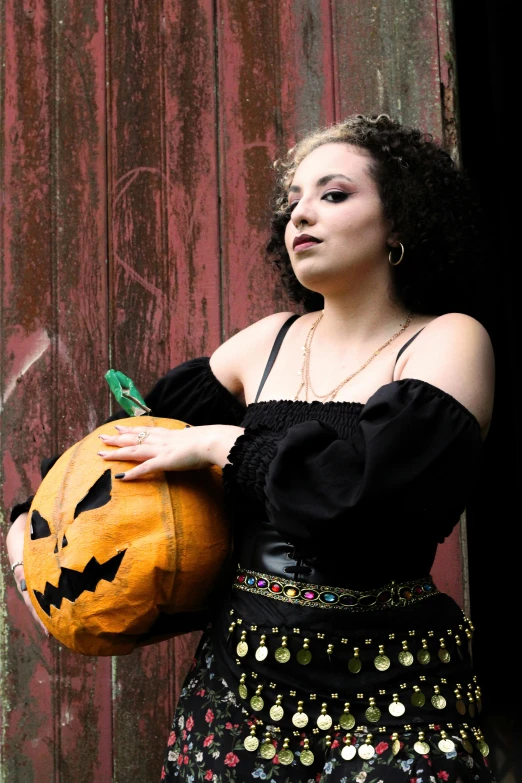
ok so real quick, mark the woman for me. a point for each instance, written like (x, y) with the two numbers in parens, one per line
(350, 437)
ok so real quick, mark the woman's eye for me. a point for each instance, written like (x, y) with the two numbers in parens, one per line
(335, 196)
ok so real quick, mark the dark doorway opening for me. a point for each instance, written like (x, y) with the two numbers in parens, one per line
(490, 136)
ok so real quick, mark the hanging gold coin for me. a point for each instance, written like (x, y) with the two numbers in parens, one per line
(382, 662)
(397, 709)
(405, 657)
(438, 701)
(282, 655)
(483, 747)
(243, 690)
(446, 745)
(347, 721)
(285, 756)
(261, 653)
(418, 699)
(461, 707)
(276, 712)
(306, 757)
(366, 751)
(304, 656)
(373, 714)
(324, 722)
(348, 752)
(267, 750)
(251, 743)
(421, 747)
(354, 665)
(300, 719)
(471, 709)
(396, 746)
(468, 747)
(423, 657)
(242, 649)
(257, 703)
(444, 655)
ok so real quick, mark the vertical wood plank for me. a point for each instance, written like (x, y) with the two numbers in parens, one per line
(80, 301)
(139, 286)
(388, 61)
(28, 665)
(275, 82)
(165, 288)
(250, 133)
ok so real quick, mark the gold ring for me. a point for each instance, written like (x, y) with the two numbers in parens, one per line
(141, 436)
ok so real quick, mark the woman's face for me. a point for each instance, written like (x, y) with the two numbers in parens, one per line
(337, 232)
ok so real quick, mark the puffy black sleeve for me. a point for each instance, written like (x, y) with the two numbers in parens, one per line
(410, 461)
(190, 392)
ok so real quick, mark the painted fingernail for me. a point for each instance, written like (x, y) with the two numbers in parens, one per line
(103, 437)
(187, 426)
(118, 426)
(100, 453)
(23, 585)
(119, 475)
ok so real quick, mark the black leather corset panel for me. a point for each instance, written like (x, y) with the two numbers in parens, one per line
(260, 547)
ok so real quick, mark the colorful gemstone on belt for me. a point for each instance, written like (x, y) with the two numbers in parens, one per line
(310, 595)
(328, 598)
(250, 580)
(275, 587)
(291, 592)
(427, 587)
(348, 600)
(384, 597)
(241, 578)
(262, 583)
(417, 590)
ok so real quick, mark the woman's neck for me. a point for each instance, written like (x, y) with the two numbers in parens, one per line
(359, 319)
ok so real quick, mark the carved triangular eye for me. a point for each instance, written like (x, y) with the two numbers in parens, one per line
(64, 542)
(39, 526)
(98, 495)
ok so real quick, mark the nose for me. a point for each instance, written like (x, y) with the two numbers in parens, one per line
(303, 214)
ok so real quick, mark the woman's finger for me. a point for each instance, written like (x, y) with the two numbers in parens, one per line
(154, 465)
(129, 453)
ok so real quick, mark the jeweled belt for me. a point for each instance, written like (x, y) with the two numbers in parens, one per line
(394, 594)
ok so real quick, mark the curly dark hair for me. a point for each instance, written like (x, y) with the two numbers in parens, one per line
(428, 199)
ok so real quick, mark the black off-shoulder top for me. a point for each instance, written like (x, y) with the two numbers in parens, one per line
(393, 474)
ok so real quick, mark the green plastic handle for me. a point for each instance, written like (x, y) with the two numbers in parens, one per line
(126, 393)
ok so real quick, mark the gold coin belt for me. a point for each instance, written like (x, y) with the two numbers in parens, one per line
(340, 724)
(394, 594)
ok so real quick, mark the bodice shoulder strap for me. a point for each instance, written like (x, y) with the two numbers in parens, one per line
(275, 350)
(406, 344)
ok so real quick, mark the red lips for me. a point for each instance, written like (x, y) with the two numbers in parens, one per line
(305, 239)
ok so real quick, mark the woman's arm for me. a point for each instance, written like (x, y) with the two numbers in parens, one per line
(454, 353)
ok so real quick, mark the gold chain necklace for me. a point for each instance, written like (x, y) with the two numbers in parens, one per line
(304, 372)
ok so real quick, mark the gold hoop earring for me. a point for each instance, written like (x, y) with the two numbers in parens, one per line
(396, 263)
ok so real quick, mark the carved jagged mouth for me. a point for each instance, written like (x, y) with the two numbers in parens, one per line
(73, 583)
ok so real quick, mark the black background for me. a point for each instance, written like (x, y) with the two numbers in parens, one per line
(489, 101)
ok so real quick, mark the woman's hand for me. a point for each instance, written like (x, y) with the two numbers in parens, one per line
(15, 550)
(192, 448)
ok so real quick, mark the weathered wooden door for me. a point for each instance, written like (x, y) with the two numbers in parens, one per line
(136, 145)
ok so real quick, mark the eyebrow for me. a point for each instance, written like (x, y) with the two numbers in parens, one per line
(323, 181)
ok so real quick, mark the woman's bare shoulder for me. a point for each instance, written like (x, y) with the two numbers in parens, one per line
(454, 353)
(242, 355)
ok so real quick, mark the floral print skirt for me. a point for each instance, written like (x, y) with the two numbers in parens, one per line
(210, 726)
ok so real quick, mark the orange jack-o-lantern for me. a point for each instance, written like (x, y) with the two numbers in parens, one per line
(111, 565)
